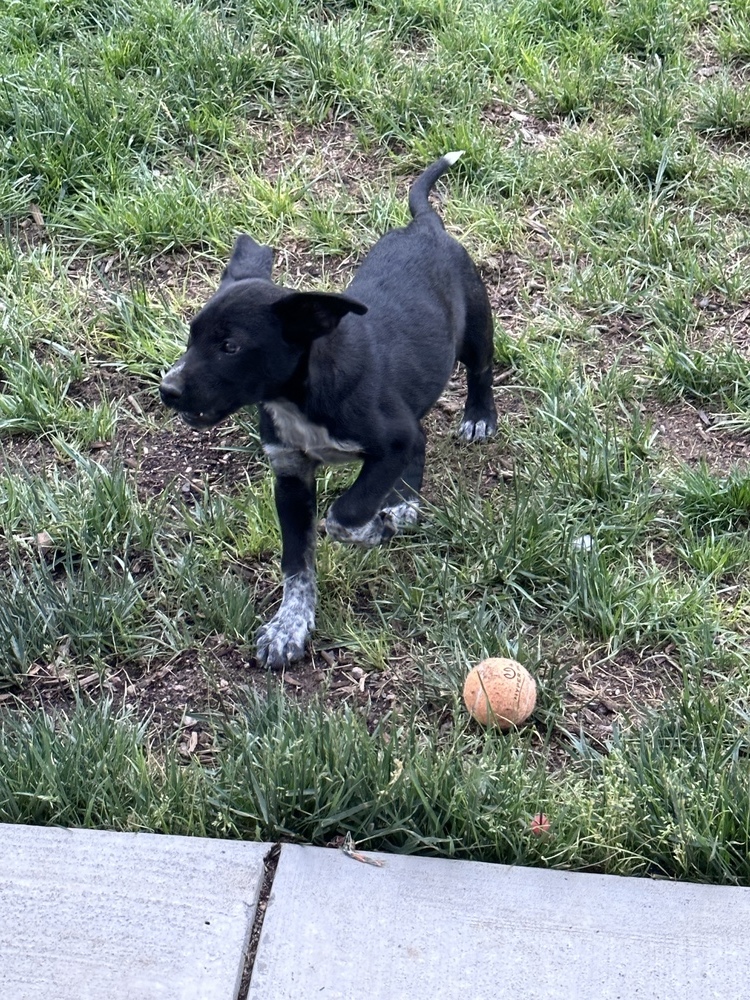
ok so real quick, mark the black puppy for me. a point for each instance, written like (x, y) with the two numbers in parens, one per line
(341, 378)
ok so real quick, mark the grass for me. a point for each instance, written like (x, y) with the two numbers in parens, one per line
(603, 194)
(671, 801)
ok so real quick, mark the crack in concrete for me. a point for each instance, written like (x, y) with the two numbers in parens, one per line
(270, 863)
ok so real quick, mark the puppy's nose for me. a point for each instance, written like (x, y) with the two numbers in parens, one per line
(171, 388)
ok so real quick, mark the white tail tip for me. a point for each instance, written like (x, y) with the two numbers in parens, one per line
(450, 158)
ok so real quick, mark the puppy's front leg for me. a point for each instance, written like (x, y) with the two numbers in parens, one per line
(282, 640)
(357, 517)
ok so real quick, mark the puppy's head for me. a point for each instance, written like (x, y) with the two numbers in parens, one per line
(250, 341)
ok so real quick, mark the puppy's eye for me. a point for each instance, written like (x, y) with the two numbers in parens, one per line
(230, 347)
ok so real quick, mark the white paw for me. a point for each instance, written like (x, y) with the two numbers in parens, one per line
(282, 640)
(379, 529)
(476, 430)
(404, 515)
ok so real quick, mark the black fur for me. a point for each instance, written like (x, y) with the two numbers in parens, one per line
(347, 376)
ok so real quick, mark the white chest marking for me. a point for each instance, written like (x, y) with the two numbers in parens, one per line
(296, 431)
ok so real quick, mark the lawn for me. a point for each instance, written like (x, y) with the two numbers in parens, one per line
(601, 537)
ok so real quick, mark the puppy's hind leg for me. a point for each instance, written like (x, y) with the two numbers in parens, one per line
(480, 416)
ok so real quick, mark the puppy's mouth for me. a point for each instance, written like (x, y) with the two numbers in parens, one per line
(203, 419)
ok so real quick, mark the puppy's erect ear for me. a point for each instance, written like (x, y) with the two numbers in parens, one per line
(249, 260)
(307, 315)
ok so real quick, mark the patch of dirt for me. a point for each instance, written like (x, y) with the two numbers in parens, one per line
(335, 145)
(603, 691)
(176, 276)
(484, 464)
(25, 452)
(184, 694)
(515, 124)
(30, 232)
(619, 342)
(297, 266)
(506, 278)
(107, 383)
(727, 326)
(687, 434)
(190, 461)
(159, 451)
(702, 53)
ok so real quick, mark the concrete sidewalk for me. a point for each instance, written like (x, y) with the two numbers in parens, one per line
(112, 916)
(88, 915)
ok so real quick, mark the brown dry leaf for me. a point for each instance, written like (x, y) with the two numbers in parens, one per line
(44, 541)
(348, 848)
(36, 214)
(536, 227)
(187, 747)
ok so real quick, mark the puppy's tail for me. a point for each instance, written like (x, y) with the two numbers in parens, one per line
(420, 189)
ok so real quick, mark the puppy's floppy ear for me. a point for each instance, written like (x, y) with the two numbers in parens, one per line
(307, 315)
(249, 260)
